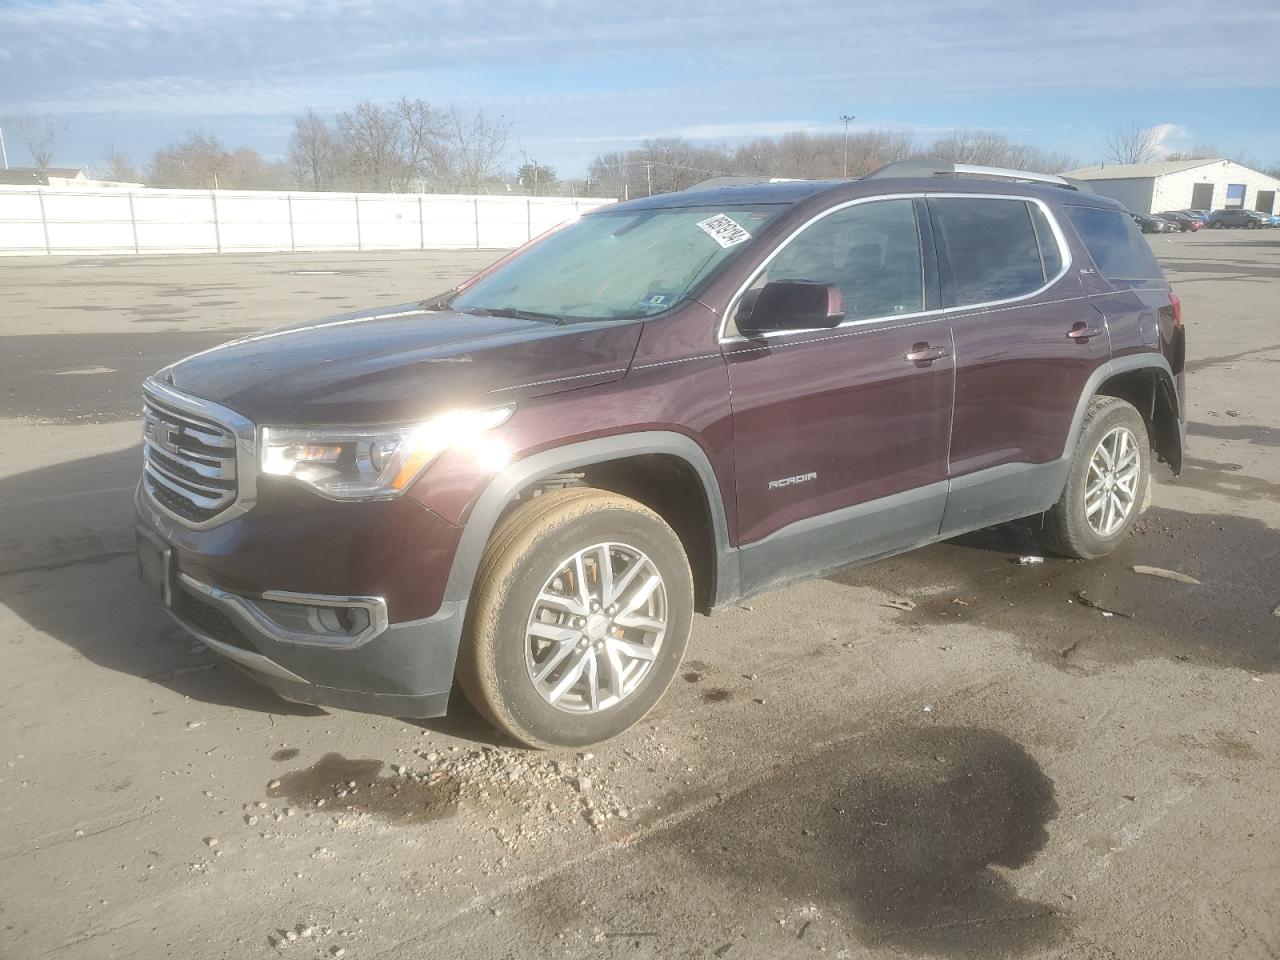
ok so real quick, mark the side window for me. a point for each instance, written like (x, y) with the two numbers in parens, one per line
(870, 250)
(1115, 244)
(992, 246)
(1050, 253)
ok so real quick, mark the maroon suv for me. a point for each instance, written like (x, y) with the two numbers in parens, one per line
(531, 482)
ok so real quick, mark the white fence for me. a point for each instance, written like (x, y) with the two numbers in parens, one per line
(51, 220)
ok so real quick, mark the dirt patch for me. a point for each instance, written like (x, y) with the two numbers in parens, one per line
(336, 783)
(716, 695)
(537, 794)
(1227, 745)
(288, 753)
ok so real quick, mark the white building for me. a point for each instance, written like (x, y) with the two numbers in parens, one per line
(72, 177)
(1182, 185)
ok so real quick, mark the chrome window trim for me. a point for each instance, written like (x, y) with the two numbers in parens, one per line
(246, 449)
(1059, 237)
(249, 613)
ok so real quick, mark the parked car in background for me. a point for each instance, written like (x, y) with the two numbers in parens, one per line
(1237, 217)
(532, 481)
(1204, 215)
(1272, 219)
(1149, 224)
(1183, 221)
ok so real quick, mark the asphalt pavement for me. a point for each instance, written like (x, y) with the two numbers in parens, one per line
(1053, 760)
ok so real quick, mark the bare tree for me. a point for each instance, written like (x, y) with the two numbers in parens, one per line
(249, 170)
(40, 134)
(313, 152)
(1132, 144)
(1201, 151)
(475, 149)
(993, 149)
(373, 140)
(199, 161)
(117, 166)
(424, 140)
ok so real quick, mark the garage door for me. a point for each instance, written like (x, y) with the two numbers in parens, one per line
(1202, 197)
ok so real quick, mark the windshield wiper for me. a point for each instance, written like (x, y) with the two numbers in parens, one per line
(516, 314)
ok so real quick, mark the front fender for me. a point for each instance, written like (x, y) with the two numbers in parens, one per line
(503, 488)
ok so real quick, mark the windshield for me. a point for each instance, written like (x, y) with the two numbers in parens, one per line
(618, 265)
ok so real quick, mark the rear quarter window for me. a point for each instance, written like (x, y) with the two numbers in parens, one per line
(1115, 243)
(992, 246)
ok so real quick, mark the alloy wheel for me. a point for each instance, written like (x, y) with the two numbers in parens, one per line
(596, 628)
(1111, 486)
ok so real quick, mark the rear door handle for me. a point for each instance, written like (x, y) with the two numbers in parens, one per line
(923, 354)
(1082, 332)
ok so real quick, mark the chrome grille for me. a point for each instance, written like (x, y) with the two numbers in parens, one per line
(189, 460)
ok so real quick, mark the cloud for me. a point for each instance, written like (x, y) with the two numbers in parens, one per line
(582, 72)
(746, 51)
(1167, 138)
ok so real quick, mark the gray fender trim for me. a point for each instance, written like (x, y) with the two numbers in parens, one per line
(502, 488)
(1151, 361)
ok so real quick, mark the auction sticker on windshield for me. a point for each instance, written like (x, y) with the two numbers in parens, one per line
(724, 230)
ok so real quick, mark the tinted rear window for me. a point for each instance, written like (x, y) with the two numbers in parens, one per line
(992, 247)
(1115, 244)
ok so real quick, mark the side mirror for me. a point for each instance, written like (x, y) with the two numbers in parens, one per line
(794, 305)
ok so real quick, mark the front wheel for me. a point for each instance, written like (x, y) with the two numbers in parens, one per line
(1107, 485)
(580, 617)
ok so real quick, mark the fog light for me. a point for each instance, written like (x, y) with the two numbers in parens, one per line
(328, 621)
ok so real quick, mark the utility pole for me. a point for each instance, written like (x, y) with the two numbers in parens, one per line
(648, 175)
(3, 153)
(846, 119)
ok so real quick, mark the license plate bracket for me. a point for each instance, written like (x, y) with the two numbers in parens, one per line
(155, 565)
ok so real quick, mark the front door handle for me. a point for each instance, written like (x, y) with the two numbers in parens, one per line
(1082, 332)
(922, 354)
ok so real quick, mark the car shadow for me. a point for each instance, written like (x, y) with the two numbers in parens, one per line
(67, 568)
(82, 589)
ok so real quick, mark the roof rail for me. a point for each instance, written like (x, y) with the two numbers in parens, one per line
(715, 182)
(945, 168)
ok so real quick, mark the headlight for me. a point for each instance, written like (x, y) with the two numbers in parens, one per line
(354, 463)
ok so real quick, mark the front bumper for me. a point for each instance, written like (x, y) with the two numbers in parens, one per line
(397, 669)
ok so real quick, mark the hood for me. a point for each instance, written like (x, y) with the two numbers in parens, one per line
(401, 363)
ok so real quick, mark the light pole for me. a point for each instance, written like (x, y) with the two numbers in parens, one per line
(3, 152)
(846, 119)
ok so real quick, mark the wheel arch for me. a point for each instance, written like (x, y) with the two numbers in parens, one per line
(1146, 381)
(658, 468)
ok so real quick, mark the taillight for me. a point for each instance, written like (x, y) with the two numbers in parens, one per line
(1177, 310)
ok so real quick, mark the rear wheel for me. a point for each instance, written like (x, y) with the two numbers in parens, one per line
(1108, 484)
(581, 615)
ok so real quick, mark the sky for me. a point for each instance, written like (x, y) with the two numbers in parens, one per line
(576, 78)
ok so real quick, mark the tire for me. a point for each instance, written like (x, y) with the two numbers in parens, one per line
(529, 560)
(1079, 525)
